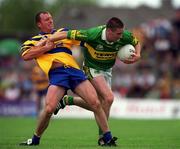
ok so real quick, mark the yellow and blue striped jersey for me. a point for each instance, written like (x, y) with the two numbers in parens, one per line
(61, 53)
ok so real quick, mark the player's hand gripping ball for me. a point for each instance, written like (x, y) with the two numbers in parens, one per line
(126, 52)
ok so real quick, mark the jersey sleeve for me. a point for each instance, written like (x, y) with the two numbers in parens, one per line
(84, 35)
(78, 35)
(26, 46)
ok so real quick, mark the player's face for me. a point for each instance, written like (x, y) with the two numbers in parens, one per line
(114, 35)
(46, 23)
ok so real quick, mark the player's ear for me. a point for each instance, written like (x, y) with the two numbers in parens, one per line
(38, 24)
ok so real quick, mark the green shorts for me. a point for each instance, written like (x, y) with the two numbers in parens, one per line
(92, 73)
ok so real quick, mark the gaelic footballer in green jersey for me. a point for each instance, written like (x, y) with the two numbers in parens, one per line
(99, 53)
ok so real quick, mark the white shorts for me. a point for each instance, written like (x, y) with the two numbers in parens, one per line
(92, 73)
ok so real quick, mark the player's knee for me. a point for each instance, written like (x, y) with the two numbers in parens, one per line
(109, 99)
(49, 109)
(95, 105)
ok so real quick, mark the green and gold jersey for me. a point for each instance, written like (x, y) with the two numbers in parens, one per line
(62, 51)
(100, 54)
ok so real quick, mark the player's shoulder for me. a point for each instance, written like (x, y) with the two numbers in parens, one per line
(36, 37)
(127, 33)
(129, 37)
(32, 39)
(96, 31)
(99, 28)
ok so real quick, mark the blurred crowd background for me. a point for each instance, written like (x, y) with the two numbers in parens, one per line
(156, 75)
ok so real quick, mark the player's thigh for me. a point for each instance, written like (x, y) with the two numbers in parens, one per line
(102, 87)
(87, 92)
(54, 93)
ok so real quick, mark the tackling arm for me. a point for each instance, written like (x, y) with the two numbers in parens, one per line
(54, 37)
(58, 36)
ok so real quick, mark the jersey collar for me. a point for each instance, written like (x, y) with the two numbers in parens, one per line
(103, 37)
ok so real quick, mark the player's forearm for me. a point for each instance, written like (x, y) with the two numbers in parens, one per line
(138, 49)
(34, 52)
(58, 36)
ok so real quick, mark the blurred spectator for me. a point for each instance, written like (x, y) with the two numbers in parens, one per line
(176, 77)
(164, 85)
(26, 86)
(40, 83)
(12, 93)
(175, 35)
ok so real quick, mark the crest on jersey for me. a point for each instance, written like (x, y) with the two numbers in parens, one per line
(99, 47)
(117, 47)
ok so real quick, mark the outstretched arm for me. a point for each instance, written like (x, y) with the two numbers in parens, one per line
(58, 36)
(54, 37)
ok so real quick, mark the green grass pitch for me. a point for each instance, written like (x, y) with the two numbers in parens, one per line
(82, 133)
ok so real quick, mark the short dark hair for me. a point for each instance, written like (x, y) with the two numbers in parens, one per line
(37, 17)
(114, 23)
